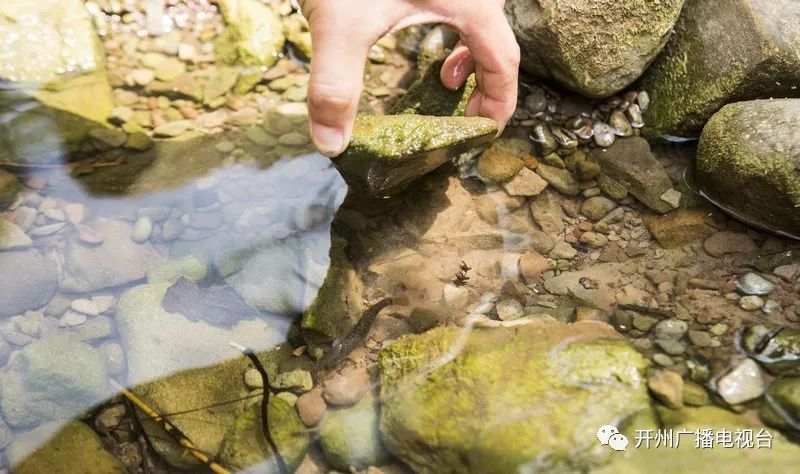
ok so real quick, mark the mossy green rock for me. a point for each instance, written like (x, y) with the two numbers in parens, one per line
(499, 162)
(338, 303)
(55, 378)
(387, 153)
(782, 407)
(213, 387)
(9, 187)
(428, 96)
(73, 448)
(253, 35)
(350, 436)
(496, 400)
(748, 160)
(687, 458)
(245, 447)
(59, 89)
(596, 48)
(724, 51)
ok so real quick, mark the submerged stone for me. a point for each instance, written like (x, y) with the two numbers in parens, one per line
(58, 90)
(350, 436)
(253, 34)
(775, 347)
(722, 52)
(387, 153)
(245, 447)
(339, 302)
(54, 449)
(748, 160)
(596, 50)
(447, 407)
(630, 162)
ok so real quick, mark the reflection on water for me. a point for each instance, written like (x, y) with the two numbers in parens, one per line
(151, 269)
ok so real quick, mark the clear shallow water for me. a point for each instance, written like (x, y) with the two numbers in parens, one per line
(118, 238)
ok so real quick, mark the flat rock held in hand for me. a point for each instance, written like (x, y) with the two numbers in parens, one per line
(387, 153)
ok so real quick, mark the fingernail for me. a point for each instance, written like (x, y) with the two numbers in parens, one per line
(329, 140)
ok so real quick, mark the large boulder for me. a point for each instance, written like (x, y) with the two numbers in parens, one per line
(55, 378)
(496, 400)
(722, 52)
(58, 89)
(748, 160)
(594, 48)
(28, 281)
(387, 153)
(55, 449)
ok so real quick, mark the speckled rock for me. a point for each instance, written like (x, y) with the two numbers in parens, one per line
(593, 48)
(253, 36)
(749, 161)
(471, 417)
(32, 283)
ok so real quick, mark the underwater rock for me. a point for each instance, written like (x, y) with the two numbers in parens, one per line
(447, 407)
(55, 378)
(686, 457)
(58, 91)
(428, 96)
(630, 162)
(118, 260)
(748, 160)
(9, 188)
(339, 302)
(679, 227)
(775, 347)
(596, 49)
(56, 449)
(30, 285)
(722, 52)
(246, 449)
(253, 34)
(782, 407)
(145, 329)
(387, 153)
(350, 436)
(497, 164)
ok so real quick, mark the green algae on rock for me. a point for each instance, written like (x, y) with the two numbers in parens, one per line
(775, 347)
(71, 448)
(595, 48)
(58, 99)
(246, 449)
(338, 303)
(722, 52)
(428, 96)
(387, 153)
(253, 35)
(748, 160)
(350, 437)
(497, 400)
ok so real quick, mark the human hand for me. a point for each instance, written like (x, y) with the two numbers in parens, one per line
(342, 32)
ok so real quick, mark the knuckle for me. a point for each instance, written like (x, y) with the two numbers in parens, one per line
(325, 97)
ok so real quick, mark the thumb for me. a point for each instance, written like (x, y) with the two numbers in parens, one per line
(337, 76)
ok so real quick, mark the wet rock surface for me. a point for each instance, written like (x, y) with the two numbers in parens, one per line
(748, 162)
(560, 40)
(506, 418)
(746, 50)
